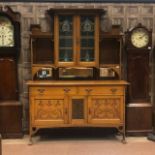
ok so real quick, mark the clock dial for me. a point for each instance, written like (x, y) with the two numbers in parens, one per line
(139, 38)
(6, 33)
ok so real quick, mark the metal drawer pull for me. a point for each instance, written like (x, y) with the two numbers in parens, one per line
(113, 90)
(66, 90)
(88, 90)
(41, 90)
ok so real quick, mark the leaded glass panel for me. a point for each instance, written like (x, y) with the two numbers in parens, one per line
(65, 38)
(87, 30)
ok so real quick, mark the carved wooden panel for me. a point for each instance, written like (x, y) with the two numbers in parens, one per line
(148, 22)
(105, 108)
(132, 10)
(118, 21)
(49, 110)
(147, 10)
(118, 10)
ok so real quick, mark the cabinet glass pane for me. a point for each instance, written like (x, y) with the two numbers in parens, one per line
(87, 31)
(66, 38)
(77, 109)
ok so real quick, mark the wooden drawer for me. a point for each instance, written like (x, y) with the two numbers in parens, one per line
(113, 90)
(53, 90)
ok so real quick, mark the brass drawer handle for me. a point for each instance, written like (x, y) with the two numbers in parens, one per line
(88, 90)
(66, 90)
(113, 90)
(41, 90)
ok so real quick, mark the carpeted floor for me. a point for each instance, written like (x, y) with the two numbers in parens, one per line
(78, 141)
(79, 146)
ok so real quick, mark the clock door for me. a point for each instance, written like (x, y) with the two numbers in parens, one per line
(10, 106)
(8, 80)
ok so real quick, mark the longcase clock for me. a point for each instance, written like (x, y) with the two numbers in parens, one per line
(10, 108)
(138, 46)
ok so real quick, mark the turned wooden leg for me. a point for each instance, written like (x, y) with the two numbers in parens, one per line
(121, 130)
(30, 137)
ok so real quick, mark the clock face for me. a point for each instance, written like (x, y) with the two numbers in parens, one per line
(6, 33)
(139, 38)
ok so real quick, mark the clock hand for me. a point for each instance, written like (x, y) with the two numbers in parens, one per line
(141, 36)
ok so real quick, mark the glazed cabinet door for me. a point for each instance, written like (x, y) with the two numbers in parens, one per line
(88, 40)
(107, 110)
(49, 110)
(76, 40)
(64, 36)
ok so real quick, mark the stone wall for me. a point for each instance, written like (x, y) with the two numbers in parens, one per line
(128, 15)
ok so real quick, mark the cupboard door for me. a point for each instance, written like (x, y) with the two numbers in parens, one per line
(88, 39)
(48, 111)
(78, 113)
(107, 110)
(64, 40)
(76, 40)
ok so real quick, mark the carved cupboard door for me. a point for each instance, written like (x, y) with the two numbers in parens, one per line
(107, 110)
(49, 110)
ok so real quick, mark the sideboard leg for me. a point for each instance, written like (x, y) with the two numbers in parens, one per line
(121, 130)
(30, 137)
(30, 141)
(33, 131)
(123, 138)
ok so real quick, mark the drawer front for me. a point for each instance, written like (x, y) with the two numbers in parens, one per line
(113, 90)
(53, 90)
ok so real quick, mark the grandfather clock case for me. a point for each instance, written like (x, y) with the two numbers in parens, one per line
(138, 108)
(10, 107)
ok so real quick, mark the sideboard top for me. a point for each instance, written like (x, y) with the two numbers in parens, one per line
(76, 83)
